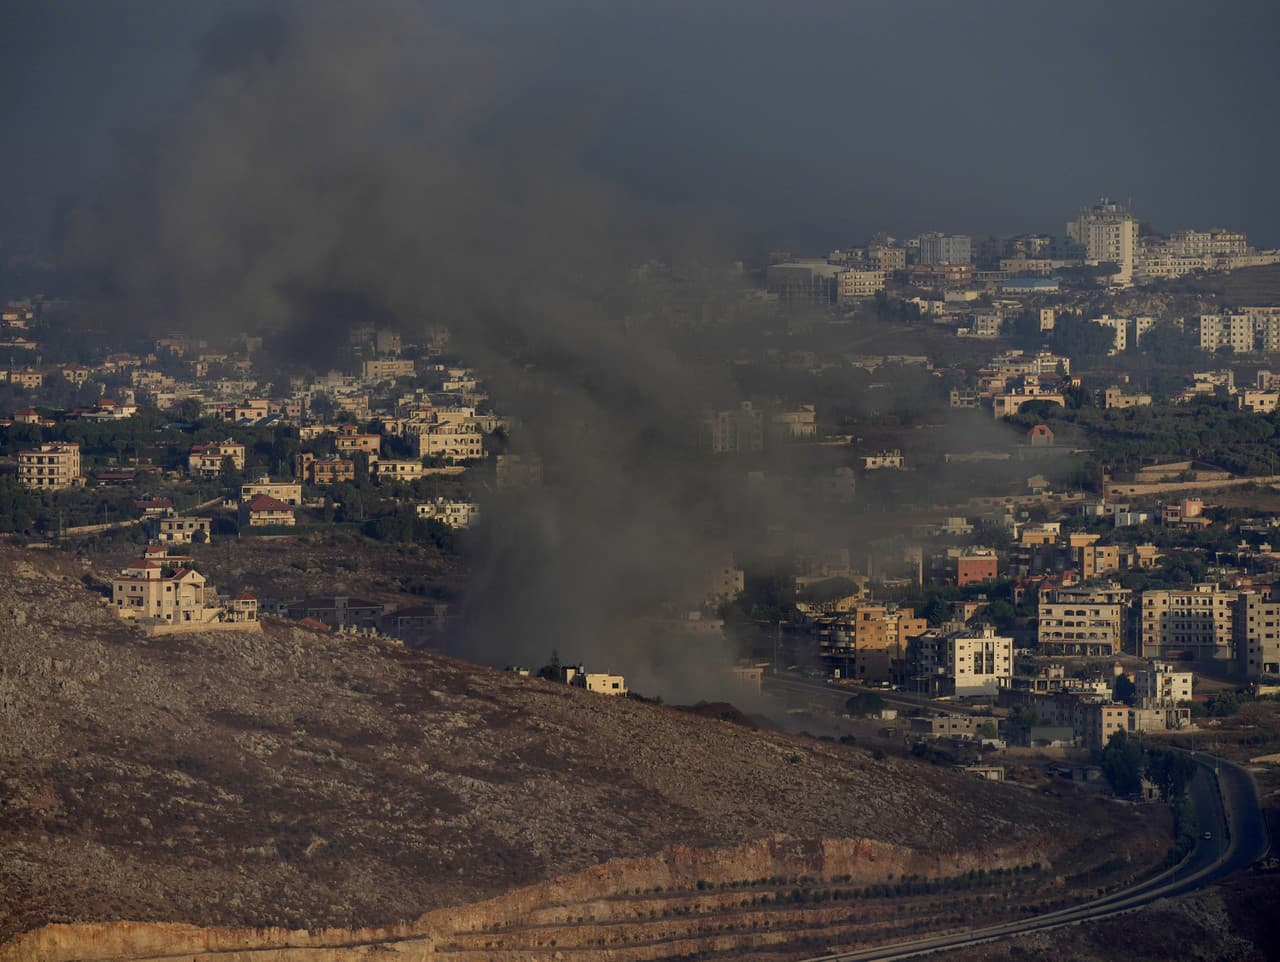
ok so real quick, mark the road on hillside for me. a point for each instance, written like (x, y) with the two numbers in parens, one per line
(1227, 809)
(799, 684)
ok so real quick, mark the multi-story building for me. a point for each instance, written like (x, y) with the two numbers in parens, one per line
(351, 440)
(1082, 620)
(882, 460)
(290, 492)
(176, 529)
(978, 661)
(738, 430)
(324, 471)
(264, 511)
(205, 460)
(795, 421)
(456, 514)
(386, 369)
(1115, 397)
(938, 248)
(53, 465)
(867, 642)
(1234, 331)
(452, 442)
(1119, 326)
(976, 566)
(855, 284)
(885, 257)
(1256, 633)
(397, 470)
(1160, 685)
(1108, 233)
(146, 589)
(804, 281)
(1187, 624)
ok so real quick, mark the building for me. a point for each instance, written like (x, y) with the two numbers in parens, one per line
(1114, 397)
(724, 583)
(264, 511)
(804, 281)
(599, 682)
(976, 566)
(1082, 621)
(795, 421)
(1258, 402)
(883, 460)
(1161, 686)
(1231, 331)
(1256, 635)
(1119, 327)
(386, 369)
(336, 611)
(181, 530)
(146, 589)
(1187, 624)
(938, 248)
(518, 471)
(290, 492)
(325, 471)
(397, 470)
(855, 284)
(456, 514)
(206, 460)
(351, 440)
(978, 661)
(1108, 233)
(1040, 436)
(53, 465)
(737, 430)
(452, 442)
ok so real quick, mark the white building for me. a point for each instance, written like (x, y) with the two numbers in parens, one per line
(456, 514)
(1108, 233)
(1161, 686)
(979, 661)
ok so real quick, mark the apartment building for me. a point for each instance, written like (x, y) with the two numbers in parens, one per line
(53, 465)
(177, 529)
(1160, 685)
(1108, 233)
(737, 430)
(1256, 634)
(386, 369)
(1082, 621)
(1233, 331)
(351, 440)
(452, 442)
(324, 471)
(852, 285)
(979, 661)
(397, 470)
(1187, 624)
(936, 248)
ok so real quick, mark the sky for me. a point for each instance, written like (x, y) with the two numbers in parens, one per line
(804, 123)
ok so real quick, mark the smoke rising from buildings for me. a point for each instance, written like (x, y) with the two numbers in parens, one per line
(337, 163)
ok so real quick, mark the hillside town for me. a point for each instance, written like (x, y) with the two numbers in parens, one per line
(1076, 569)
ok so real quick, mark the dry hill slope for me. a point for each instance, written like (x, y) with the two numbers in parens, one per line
(303, 780)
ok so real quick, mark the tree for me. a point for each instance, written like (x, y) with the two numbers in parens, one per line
(1122, 764)
(1170, 770)
(1124, 690)
(188, 409)
(551, 670)
(864, 703)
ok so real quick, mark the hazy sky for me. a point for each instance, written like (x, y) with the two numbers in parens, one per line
(807, 122)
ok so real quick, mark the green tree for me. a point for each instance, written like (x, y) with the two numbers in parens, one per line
(1122, 764)
(864, 703)
(1124, 691)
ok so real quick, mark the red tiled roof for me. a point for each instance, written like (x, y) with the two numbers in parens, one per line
(245, 596)
(142, 564)
(264, 502)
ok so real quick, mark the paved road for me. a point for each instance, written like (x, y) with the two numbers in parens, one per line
(1226, 806)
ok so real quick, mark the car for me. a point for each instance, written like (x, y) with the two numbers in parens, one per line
(1207, 835)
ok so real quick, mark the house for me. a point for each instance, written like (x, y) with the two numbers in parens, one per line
(242, 608)
(179, 530)
(148, 589)
(264, 511)
(1040, 436)
(290, 492)
(336, 611)
(351, 440)
(883, 459)
(601, 683)
(456, 514)
(323, 472)
(205, 460)
(154, 507)
(397, 470)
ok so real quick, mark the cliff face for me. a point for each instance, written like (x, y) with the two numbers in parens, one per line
(622, 896)
(294, 782)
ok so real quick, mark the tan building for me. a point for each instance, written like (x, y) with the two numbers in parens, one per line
(1187, 624)
(855, 285)
(1109, 234)
(179, 530)
(263, 511)
(1114, 397)
(1256, 634)
(456, 514)
(396, 470)
(53, 465)
(386, 369)
(324, 471)
(205, 460)
(452, 442)
(146, 589)
(290, 492)
(796, 421)
(1258, 402)
(351, 440)
(1082, 621)
(28, 379)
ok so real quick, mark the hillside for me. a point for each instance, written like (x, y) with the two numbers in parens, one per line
(304, 780)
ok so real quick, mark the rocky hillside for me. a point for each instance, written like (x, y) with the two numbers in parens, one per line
(306, 780)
